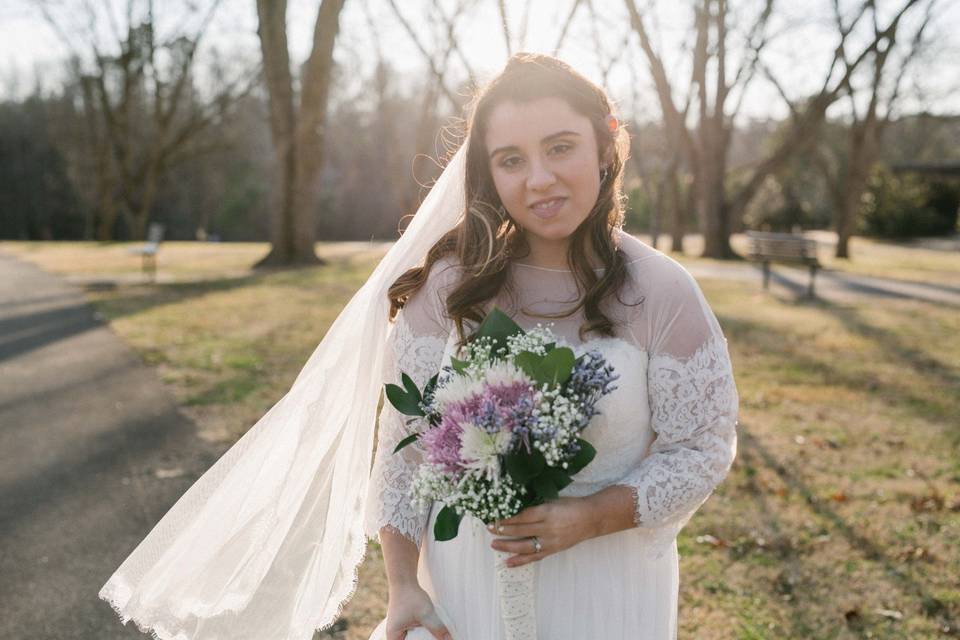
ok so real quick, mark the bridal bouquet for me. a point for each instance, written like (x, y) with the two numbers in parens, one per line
(501, 433)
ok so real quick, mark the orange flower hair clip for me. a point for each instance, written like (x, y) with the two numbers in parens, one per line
(612, 122)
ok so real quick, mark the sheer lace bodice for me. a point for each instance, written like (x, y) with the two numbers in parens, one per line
(667, 431)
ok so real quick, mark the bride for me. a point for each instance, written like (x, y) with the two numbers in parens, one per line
(527, 216)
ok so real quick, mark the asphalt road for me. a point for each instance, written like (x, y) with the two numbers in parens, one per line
(93, 451)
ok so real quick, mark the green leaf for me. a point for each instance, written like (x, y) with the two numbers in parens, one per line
(545, 487)
(556, 366)
(403, 401)
(523, 466)
(528, 362)
(558, 477)
(497, 326)
(458, 365)
(411, 386)
(431, 385)
(447, 524)
(405, 442)
(582, 458)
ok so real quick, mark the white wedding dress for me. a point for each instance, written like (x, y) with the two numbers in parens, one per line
(668, 431)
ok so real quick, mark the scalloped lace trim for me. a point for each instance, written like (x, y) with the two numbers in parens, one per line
(693, 404)
(419, 356)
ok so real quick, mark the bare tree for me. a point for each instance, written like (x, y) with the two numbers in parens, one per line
(847, 170)
(141, 107)
(297, 131)
(719, 93)
(438, 53)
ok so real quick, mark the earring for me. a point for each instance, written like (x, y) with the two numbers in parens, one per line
(502, 212)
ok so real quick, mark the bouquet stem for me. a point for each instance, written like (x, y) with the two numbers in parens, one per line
(515, 587)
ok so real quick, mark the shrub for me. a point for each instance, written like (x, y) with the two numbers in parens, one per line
(908, 205)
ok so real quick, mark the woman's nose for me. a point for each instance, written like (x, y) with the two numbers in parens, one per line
(540, 176)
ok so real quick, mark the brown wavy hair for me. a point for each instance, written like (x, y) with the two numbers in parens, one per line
(487, 238)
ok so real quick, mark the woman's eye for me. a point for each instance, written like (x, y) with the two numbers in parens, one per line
(563, 148)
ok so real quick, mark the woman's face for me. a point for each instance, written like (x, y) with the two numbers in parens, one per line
(540, 151)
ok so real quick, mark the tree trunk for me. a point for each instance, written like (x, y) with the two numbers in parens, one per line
(297, 137)
(680, 205)
(714, 208)
(862, 151)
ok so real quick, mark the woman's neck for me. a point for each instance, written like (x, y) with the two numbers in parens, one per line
(553, 256)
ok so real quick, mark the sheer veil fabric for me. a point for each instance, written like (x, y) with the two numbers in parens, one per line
(266, 543)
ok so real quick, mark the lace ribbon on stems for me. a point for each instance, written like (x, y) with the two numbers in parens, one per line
(518, 601)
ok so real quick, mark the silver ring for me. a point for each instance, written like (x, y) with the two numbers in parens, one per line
(537, 547)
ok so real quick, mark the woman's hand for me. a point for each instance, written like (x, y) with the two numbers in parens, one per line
(558, 525)
(409, 607)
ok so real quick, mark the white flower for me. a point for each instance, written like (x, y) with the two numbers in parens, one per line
(479, 449)
(459, 388)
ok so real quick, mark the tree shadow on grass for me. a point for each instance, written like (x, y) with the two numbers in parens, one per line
(906, 583)
(337, 270)
(938, 374)
(802, 364)
(26, 332)
(836, 368)
(801, 619)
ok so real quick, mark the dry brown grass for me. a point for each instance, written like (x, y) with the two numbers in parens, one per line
(841, 515)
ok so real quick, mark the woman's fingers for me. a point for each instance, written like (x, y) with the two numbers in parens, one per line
(516, 530)
(435, 626)
(524, 545)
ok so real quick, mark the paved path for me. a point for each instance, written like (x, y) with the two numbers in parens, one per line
(88, 440)
(834, 286)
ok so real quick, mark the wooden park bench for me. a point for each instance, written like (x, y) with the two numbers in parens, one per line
(767, 247)
(149, 250)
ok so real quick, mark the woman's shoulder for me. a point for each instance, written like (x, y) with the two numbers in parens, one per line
(445, 272)
(651, 268)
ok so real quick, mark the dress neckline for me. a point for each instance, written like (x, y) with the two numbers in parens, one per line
(531, 266)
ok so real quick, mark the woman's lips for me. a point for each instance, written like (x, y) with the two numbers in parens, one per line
(549, 212)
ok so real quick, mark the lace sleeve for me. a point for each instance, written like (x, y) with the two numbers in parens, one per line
(418, 339)
(693, 405)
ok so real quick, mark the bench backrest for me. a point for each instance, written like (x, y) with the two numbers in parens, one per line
(155, 233)
(781, 246)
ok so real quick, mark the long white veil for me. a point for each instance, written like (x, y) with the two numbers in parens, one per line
(267, 542)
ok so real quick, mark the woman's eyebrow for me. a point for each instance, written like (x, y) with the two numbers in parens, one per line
(549, 137)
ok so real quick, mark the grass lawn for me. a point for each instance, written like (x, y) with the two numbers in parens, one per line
(841, 515)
